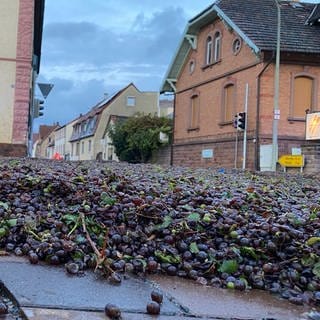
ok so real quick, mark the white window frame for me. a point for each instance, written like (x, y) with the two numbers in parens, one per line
(89, 146)
(131, 101)
(209, 44)
(217, 46)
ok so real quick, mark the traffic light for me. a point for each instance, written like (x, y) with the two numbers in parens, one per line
(37, 108)
(240, 121)
(235, 121)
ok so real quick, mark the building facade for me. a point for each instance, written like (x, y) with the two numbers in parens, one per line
(89, 140)
(225, 64)
(43, 146)
(21, 24)
(62, 135)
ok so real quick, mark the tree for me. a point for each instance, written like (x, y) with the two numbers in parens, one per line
(137, 137)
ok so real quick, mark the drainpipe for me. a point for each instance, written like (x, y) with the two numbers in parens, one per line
(173, 128)
(257, 136)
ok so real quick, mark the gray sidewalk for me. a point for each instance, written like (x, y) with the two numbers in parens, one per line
(45, 292)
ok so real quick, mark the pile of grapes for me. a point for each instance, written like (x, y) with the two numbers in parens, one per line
(237, 230)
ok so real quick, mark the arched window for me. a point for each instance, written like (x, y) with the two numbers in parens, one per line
(303, 96)
(194, 112)
(228, 102)
(192, 65)
(217, 46)
(209, 44)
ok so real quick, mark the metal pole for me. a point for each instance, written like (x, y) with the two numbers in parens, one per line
(245, 129)
(236, 151)
(276, 111)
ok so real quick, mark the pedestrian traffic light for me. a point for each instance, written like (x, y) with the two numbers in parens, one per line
(37, 108)
(240, 121)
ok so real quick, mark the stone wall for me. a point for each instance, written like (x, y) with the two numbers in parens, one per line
(162, 156)
(311, 152)
(223, 154)
(23, 72)
(13, 150)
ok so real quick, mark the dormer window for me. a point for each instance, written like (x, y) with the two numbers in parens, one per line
(83, 127)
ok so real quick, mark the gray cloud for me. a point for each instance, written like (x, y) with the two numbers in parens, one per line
(150, 39)
(102, 46)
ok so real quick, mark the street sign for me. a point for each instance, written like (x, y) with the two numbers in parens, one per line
(45, 88)
(293, 161)
(207, 153)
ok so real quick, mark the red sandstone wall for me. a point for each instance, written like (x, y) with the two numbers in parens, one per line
(23, 72)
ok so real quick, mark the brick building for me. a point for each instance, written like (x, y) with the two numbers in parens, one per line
(225, 62)
(21, 23)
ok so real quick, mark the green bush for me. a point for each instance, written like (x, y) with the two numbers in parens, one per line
(135, 138)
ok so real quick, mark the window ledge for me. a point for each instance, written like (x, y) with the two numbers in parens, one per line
(293, 119)
(210, 65)
(193, 129)
(225, 123)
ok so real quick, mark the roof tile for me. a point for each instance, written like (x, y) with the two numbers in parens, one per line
(258, 20)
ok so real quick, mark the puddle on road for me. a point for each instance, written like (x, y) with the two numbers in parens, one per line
(223, 303)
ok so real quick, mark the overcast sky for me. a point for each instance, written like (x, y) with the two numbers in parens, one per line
(94, 47)
(99, 46)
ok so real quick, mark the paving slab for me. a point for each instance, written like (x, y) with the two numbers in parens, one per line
(43, 286)
(50, 314)
(46, 292)
(204, 301)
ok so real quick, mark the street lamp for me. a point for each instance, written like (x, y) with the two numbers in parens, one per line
(276, 110)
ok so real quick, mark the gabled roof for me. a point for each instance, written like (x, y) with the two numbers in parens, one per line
(255, 21)
(95, 112)
(46, 130)
(258, 20)
(100, 106)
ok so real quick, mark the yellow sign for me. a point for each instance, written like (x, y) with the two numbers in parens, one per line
(313, 126)
(293, 161)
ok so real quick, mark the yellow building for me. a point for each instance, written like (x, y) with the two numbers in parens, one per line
(62, 144)
(21, 23)
(88, 138)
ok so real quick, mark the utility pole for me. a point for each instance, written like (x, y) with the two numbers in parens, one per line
(276, 111)
(244, 157)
